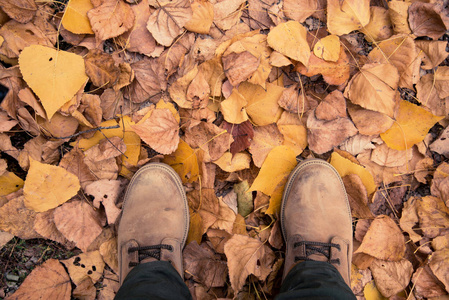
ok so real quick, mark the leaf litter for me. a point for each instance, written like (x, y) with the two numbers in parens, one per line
(231, 94)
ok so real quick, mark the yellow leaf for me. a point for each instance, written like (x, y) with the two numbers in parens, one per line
(399, 16)
(233, 108)
(229, 163)
(75, 17)
(290, 39)
(294, 132)
(9, 182)
(346, 167)
(124, 131)
(55, 76)
(184, 161)
(48, 186)
(379, 28)
(195, 228)
(202, 18)
(263, 107)
(371, 292)
(328, 48)
(344, 16)
(273, 175)
(411, 126)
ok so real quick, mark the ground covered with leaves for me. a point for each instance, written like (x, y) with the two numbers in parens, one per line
(232, 94)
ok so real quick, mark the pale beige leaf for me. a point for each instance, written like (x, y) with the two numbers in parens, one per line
(45, 226)
(369, 122)
(17, 219)
(332, 107)
(85, 265)
(387, 157)
(357, 144)
(299, 10)
(106, 192)
(399, 16)
(391, 277)
(225, 218)
(347, 15)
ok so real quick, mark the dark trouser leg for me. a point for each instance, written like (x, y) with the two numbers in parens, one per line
(156, 280)
(314, 280)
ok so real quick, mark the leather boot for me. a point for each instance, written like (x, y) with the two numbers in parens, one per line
(316, 217)
(155, 219)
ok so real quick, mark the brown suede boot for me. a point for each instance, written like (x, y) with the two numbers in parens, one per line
(155, 219)
(316, 217)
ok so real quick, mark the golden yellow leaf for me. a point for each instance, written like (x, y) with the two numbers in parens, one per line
(10, 182)
(202, 18)
(294, 132)
(346, 167)
(75, 17)
(399, 16)
(263, 107)
(229, 163)
(265, 139)
(184, 161)
(233, 108)
(328, 48)
(347, 15)
(48, 186)
(273, 175)
(411, 126)
(290, 39)
(55, 76)
(371, 292)
(379, 27)
(195, 228)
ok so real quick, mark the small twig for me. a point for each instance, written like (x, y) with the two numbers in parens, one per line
(109, 141)
(86, 131)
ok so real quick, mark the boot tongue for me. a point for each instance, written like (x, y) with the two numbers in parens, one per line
(148, 259)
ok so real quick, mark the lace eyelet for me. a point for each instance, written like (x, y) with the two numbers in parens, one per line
(171, 249)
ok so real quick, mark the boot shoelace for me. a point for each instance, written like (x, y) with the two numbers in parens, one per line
(317, 248)
(148, 251)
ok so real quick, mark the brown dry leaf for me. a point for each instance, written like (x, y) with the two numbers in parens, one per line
(101, 158)
(369, 122)
(111, 285)
(26, 95)
(108, 251)
(85, 290)
(423, 168)
(225, 218)
(160, 131)
(387, 157)
(239, 67)
(210, 138)
(374, 88)
(440, 182)
(78, 222)
(201, 263)
(227, 13)
(441, 78)
(426, 285)
(399, 16)
(247, 256)
(434, 53)
(334, 73)
(290, 39)
(427, 95)
(300, 10)
(259, 15)
(263, 107)
(433, 216)
(359, 278)
(323, 136)
(347, 15)
(48, 186)
(438, 264)
(167, 22)
(294, 100)
(401, 52)
(101, 69)
(6, 123)
(39, 149)
(47, 281)
(106, 192)
(204, 210)
(178, 89)
(293, 131)
(242, 133)
(384, 240)
(73, 162)
(111, 19)
(265, 139)
(149, 81)
(379, 27)
(202, 18)
(17, 219)
(218, 239)
(440, 145)
(86, 265)
(58, 126)
(22, 10)
(198, 91)
(45, 226)
(7, 147)
(425, 20)
(391, 277)
(357, 196)
(332, 107)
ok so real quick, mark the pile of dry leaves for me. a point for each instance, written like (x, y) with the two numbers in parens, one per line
(231, 94)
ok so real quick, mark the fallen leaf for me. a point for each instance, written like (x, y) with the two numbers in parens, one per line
(108, 251)
(370, 292)
(411, 126)
(258, 13)
(111, 285)
(86, 265)
(48, 186)
(232, 163)
(399, 16)
(45, 226)
(358, 143)
(385, 156)
(328, 48)
(227, 13)
(440, 145)
(178, 89)
(39, 66)
(299, 10)
(391, 277)
(374, 88)
(47, 281)
(244, 199)
(167, 22)
(369, 122)
(58, 126)
(347, 15)
(359, 278)
(78, 222)
(426, 285)
(293, 131)
(111, 19)
(323, 136)
(22, 11)
(294, 100)
(100, 159)
(357, 196)
(85, 290)
(379, 27)
(433, 215)
(247, 256)
(101, 69)
(427, 95)
(279, 60)
(438, 262)
(202, 17)
(9, 183)
(440, 242)
(239, 67)
(441, 78)
(265, 139)
(201, 263)
(205, 210)
(73, 162)
(218, 239)
(434, 53)
(184, 161)
(424, 20)
(17, 219)
(75, 17)
(332, 107)
(242, 134)
(106, 192)
(289, 38)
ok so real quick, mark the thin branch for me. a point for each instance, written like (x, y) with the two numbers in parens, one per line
(86, 131)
